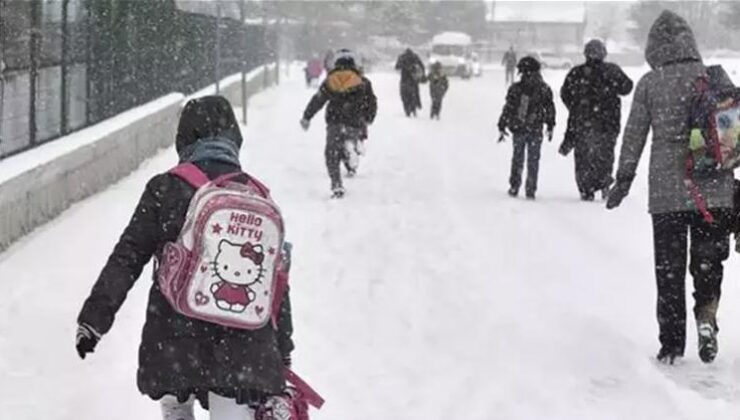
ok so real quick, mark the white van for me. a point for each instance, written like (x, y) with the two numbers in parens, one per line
(453, 50)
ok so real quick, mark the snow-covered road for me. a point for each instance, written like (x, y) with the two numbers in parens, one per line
(426, 293)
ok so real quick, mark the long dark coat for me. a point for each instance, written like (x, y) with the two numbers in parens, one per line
(412, 72)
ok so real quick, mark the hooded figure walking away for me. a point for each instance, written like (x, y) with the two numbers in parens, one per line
(661, 104)
(509, 63)
(591, 93)
(228, 370)
(529, 106)
(438, 85)
(412, 73)
(352, 107)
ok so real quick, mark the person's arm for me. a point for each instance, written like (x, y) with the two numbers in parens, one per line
(549, 108)
(125, 264)
(316, 103)
(621, 83)
(370, 103)
(508, 111)
(635, 133)
(567, 93)
(285, 329)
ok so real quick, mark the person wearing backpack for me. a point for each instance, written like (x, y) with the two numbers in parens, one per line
(661, 104)
(352, 106)
(181, 358)
(591, 93)
(529, 106)
(438, 85)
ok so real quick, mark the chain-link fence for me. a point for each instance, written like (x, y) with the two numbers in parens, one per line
(67, 64)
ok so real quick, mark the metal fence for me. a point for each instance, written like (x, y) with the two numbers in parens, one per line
(67, 64)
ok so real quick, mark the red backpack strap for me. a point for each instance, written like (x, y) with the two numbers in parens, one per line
(312, 397)
(191, 174)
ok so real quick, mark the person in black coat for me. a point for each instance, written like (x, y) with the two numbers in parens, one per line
(591, 93)
(529, 106)
(181, 357)
(412, 73)
(509, 62)
(352, 106)
(438, 85)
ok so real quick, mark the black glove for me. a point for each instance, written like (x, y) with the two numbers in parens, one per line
(549, 133)
(502, 134)
(618, 192)
(87, 339)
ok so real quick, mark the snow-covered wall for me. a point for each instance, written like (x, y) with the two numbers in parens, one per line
(37, 185)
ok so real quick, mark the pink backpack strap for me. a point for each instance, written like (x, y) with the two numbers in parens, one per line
(191, 174)
(263, 190)
(312, 397)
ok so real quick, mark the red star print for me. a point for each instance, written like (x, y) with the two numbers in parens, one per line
(217, 228)
(271, 251)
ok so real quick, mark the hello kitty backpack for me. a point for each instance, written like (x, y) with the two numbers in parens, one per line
(225, 266)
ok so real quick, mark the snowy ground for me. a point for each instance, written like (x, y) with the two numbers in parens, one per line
(426, 294)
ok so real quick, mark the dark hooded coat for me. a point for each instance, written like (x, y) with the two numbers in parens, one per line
(351, 99)
(178, 355)
(540, 109)
(591, 93)
(412, 72)
(661, 104)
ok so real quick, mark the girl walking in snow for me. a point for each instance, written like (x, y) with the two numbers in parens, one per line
(660, 106)
(181, 358)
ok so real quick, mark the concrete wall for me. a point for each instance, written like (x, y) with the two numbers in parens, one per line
(38, 185)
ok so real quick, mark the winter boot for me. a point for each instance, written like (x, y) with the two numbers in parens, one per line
(337, 192)
(706, 328)
(513, 192)
(708, 348)
(587, 196)
(669, 356)
(530, 195)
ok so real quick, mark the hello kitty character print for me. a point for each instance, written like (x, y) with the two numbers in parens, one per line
(225, 265)
(238, 268)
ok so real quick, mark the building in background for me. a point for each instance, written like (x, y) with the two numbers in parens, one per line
(537, 25)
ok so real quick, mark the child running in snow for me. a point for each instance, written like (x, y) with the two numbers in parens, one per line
(229, 370)
(352, 107)
(529, 106)
(438, 86)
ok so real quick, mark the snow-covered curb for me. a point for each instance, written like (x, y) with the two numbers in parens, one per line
(37, 185)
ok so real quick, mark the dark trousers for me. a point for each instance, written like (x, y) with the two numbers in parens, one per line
(594, 161)
(530, 144)
(436, 106)
(337, 138)
(709, 247)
